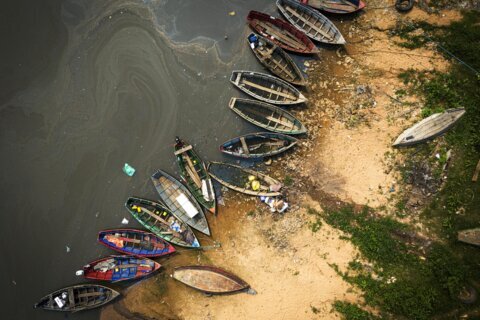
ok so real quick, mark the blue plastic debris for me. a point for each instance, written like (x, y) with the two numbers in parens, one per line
(128, 170)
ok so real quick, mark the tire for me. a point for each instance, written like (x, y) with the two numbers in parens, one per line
(468, 295)
(404, 5)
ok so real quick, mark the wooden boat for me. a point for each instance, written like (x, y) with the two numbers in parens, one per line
(310, 21)
(182, 203)
(195, 175)
(240, 179)
(258, 145)
(335, 6)
(162, 222)
(275, 59)
(135, 242)
(470, 236)
(266, 88)
(267, 116)
(120, 268)
(210, 280)
(280, 32)
(77, 298)
(429, 128)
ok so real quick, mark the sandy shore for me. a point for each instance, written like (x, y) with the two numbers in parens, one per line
(352, 120)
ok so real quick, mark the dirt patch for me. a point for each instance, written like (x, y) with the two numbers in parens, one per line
(283, 260)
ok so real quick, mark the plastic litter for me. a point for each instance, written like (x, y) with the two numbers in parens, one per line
(125, 221)
(232, 13)
(128, 170)
(67, 248)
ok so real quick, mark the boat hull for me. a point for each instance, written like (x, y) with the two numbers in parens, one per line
(209, 279)
(135, 242)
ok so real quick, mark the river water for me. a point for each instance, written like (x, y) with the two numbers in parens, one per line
(86, 86)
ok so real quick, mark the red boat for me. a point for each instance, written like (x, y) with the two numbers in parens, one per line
(280, 32)
(335, 6)
(120, 268)
(135, 242)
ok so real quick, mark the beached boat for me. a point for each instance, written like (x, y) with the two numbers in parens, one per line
(209, 279)
(310, 21)
(258, 145)
(266, 88)
(275, 59)
(470, 236)
(77, 298)
(336, 6)
(195, 175)
(244, 180)
(429, 128)
(120, 268)
(267, 116)
(178, 199)
(162, 222)
(135, 242)
(280, 32)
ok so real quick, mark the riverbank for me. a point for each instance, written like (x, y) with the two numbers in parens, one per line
(297, 262)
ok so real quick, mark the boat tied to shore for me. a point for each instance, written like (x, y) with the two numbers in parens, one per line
(258, 145)
(267, 88)
(244, 180)
(209, 279)
(336, 6)
(77, 298)
(194, 172)
(162, 222)
(280, 32)
(180, 201)
(120, 268)
(267, 116)
(135, 242)
(275, 59)
(308, 20)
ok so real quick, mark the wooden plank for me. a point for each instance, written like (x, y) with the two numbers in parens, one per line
(285, 37)
(192, 172)
(278, 64)
(182, 150)
(286, 124)
(310, 24)
(90, 294)
(244, 145)
(283, 94)
(477, 171)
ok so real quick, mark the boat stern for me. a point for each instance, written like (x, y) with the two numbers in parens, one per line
(302, 98)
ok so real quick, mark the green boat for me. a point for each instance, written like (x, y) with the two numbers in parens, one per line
(162, 222)
(195, 175)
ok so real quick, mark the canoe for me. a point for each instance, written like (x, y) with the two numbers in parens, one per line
(280, 32)
(195, 175)
(120, 268)
(267, 116)
(470, 236)
(429, 128)
(314, 24)
(335, 6)
(77, 298)
(237, 178)
(180, 201)
(135, 242)
(162, 222)
(266, 88)
(275, 59)
(258, 145)
(209, 279)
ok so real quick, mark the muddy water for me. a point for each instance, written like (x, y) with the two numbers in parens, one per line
(86, 86)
